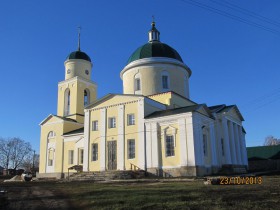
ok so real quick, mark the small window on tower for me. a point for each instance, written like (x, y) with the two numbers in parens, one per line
(86, 97)
(137, 84)
(165, 82)
(87, 72)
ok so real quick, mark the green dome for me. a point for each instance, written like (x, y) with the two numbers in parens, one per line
(78, 55)
(154, 49)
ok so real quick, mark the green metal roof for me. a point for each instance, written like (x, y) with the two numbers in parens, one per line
(154, 49)
(78, 55)
(263, 152)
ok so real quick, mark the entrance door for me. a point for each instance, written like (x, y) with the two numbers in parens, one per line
(112, 155)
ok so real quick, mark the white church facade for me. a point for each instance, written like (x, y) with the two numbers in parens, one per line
(152, 126)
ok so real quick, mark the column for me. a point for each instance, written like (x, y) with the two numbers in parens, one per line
(183, 142)
(198, 138)
(149, 144)
(213, 144)
(243, 146)
(141, 136)
(226, 141)
(121, 141)
(232, 143)
(155, 149)
(86, 141)
(191, 161)
(237, 144)
(103, 127)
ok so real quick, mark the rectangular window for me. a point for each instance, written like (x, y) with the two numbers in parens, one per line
(130, 119)
(112, 122)
(95, 125)
(94, 152)
(169, 143)
(81, 156)
(165, 82)
(222, 145)
(205, 149)
(131, 148)
(137, 84)
(70, 156)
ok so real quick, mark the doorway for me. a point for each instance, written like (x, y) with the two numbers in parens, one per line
(112, 155)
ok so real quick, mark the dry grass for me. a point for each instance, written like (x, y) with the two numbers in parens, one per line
(164, 195)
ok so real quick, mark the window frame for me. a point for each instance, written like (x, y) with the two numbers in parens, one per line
(94, 152)
(137, 84)
(94, 125)
(169, 146)
(131, 149)
(112, 122)
(70, 157)
(131, 119)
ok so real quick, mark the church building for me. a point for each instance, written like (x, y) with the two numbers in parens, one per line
(153, 125)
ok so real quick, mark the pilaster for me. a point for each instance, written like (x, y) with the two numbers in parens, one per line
(103, 127)
(232, 143)
(120, 144)
(86, 140)
(183, 142)
(226, 141)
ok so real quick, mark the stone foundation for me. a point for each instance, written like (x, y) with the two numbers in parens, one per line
(185, 171)
(50, 175)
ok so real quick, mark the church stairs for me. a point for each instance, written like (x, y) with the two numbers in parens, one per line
(107, 175)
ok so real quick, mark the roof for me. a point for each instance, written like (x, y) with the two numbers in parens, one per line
(176, 111)
(263, 152)
(78, 55)
(224, 108)
(154, 49)
(62, 118)
(77, 131)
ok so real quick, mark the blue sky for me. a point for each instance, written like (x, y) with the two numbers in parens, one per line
(232, 62)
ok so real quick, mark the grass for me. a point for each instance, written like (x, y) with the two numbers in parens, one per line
(168, 195)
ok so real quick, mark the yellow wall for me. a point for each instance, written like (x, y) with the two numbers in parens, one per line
(153, 81)
(172, 100)
(171, 160)
(76, 87)
(59, 127)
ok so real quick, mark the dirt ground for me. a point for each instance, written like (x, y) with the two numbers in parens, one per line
(27, 196)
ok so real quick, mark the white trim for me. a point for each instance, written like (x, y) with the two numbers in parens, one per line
(155, 146)
(141, 136)
(73, 138)
(86, 141)
(149, 151)
(183, 141)
(169, 167)
(120, 139)
(213, 144)
(154, 60)
(237, 144)
(77, 79)
(232, 143)
(191, 161)
(103, 127)
(226, 141)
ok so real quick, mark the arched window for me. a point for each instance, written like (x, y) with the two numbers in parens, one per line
(137, 83)
(165, 80)
(67, 102)
(86, 97)
(51, 134)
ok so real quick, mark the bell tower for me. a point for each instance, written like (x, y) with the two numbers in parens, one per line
(77, 90)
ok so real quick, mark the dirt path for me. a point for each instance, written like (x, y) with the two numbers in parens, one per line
(34, 197)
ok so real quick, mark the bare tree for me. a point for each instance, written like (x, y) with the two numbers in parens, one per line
(31, 163)
(270, 140)
(13, 151)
